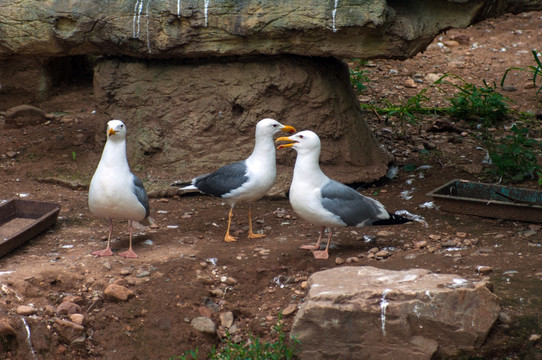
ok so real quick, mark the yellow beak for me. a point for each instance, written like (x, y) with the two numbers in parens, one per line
(111, 132)
(289, 129)
(285, 138)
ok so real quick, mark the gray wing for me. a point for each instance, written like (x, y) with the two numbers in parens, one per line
(224, 180)
(141, 194)
(352, 207)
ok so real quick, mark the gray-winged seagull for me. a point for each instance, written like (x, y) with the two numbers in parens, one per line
(326, 202)
(247, 180)
(116, 193)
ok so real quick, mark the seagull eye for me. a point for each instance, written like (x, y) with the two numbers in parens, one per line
(301, 136)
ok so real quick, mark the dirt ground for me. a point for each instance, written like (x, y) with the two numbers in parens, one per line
(184, 261)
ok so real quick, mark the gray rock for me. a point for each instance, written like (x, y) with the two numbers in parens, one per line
(226, 319)
(25, 310)
(68, 330)
(392, 314)
(24, 115)
(204, 324)
(160, 29)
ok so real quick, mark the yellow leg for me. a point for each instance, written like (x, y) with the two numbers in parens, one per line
(252, 235)
(228, 237)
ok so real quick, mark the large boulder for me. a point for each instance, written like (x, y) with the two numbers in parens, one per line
(196, 28)
(195, 116)
(370, 313)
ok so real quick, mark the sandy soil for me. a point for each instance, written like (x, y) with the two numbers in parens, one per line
(184, 260)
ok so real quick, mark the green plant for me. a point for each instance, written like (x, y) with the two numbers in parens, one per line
(192, 353)
(358, 77)
(515, 156)
(408, 111)
(476, 104)
(535, 70)
(74, 155)
(255, 349)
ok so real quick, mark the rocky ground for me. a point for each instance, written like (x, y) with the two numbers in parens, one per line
(62, 303)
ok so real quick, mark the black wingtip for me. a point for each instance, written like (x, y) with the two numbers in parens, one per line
(392, 220)
(181, 183)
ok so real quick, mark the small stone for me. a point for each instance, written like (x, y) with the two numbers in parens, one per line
(77, 318)
(25, 310)
(304, 285)
(125, 271)
(6, 328)
(117, 292)
(384, 233)
(410, 83)
(451, 43)
(461, 234)
(203, 324)
(226, 319)
(534, 337)
(505, 318)
(352, 259)
(217, 292)
(68, 308)
(68, 330)
(143, 273)
(11, 154)
(290, 309)
(483, 270)
(420, 244)
(339, 261)
(382, 254)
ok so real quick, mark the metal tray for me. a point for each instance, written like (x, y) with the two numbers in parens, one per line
(21, 220)
(494, 201)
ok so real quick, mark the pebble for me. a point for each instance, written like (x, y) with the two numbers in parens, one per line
(383, 254)
(68, 308)
(290, 309)
(69, 330)
(483, 270)
(217, 292)
(410, 83)
(384, 233)
(77, 318)
(352, 259)
(339, 261)
(143, 273)
(25, 310)
(534, 337)
(420, 244)
(118, 292)
(6, 328)
(451, 43)
(125, 271)
(226, 319)
(203, 324)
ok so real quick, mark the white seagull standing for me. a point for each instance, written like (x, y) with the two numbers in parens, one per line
(247, 180)
(116, 193)
(326, 202)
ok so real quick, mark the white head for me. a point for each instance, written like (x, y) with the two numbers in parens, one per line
(303, 142)
(269, 127)
(116, 130)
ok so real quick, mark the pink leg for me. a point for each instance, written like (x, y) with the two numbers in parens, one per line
(324, 254)
(107, 251)
(129, 253)
(317, 245)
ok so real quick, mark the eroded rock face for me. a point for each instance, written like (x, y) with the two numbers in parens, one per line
(195, 116)
(370, 313)
(195, 28)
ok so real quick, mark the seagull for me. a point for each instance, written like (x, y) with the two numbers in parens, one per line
(247, 180)
(116, 193)
(322, 201)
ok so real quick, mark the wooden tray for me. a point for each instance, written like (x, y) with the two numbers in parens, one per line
(21, 220)
(494, 201)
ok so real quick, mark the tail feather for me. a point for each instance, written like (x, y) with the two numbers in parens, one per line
(392, 220)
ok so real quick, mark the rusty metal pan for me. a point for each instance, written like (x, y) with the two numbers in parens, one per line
(488, 200)
(21, 220)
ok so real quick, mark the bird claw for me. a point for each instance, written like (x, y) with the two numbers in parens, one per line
(310, 247)
(229, 238)
(255, 236)
(321, 255)
(128, 254)
(105, 252)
